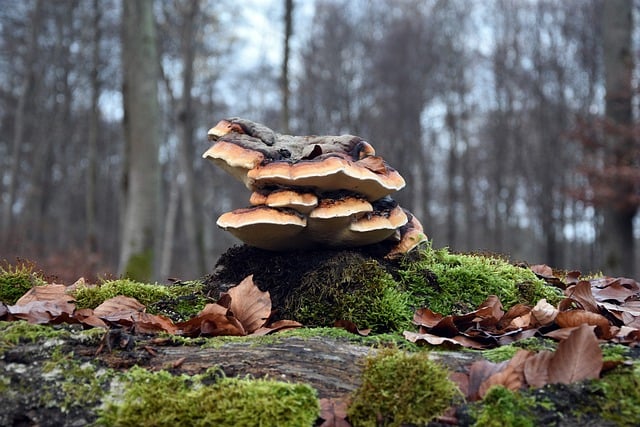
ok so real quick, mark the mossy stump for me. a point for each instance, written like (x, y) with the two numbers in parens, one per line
(320, 287)
(360, 285)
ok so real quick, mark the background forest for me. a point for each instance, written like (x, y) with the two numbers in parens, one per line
(512, 121)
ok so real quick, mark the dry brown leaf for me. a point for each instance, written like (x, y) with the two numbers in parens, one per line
(581, 293)
(51, 292)
(429, 339)
(518, 316)
(118, 308)
(542, 270)
(87, 317)
(280, 325)
(217, 326)
(536, 369)
(490, 311)
(479, 371)
(211, 324)
(250, 305)
(461, 379)
(510, 377)
(426, 317)
(577, 358)
(351, 327)
(544, 313)
(568, 319)
(145, 323)
(572, 277)
(334, 412)
(43, 304)
(614, 291)
(214, 309)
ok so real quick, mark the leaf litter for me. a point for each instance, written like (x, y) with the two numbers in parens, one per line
(243, 310)
(592, 311)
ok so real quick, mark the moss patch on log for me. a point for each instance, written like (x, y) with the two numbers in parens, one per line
(178, 301)
(400, 388)
(450, 283)
(17, 279)
(162, 399)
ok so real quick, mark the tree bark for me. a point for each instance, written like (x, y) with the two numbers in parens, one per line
(92, 140)
(288, 30)
(141, 130)
(19, 122)
(616, 236)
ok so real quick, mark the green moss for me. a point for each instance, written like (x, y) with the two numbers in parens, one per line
(16, 280)
(451, 283)
(161, 399)
(179, 301)
(14, 333)
(621, 402)
(506, 352)
(614, 352)
(359, 290)
(401, 388)
(77, 384)
(502, 407)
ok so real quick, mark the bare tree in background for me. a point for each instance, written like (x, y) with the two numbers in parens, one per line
(286, 92)
(189, 23)
(618, 248)
(141, 124)
(28, 77)
(92, 139)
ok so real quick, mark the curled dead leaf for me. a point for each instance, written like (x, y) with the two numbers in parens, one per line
(333, 412)
(426, 317)
(577, 358)
(510, 377)
(571, 318)
(250, 305)
(351, 327)
(536, 369)
(544, 313)
(581, 293)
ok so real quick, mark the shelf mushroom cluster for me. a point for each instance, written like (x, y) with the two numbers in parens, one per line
(310, 191)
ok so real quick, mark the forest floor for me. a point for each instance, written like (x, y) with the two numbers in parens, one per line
(62, 373)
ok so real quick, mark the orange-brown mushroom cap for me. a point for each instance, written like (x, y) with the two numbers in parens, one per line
(265, 227)
(329, 173)
(234, 159)
(374, 227)
(411, 235)
(299, 201)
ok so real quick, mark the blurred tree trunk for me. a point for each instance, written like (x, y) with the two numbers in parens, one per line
(185, 122)
(616, 235)
(19, 121)
(182, 180)
(141, 129)
(92, 140)
(288, 30)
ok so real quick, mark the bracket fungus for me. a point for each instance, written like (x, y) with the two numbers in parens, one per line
(308, 191)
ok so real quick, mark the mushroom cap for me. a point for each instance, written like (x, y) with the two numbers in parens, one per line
(265, 227)
(234, 159)
(374, 227)
(329, 173)
(333, 215)
(411, 235)
(342, 207)
(302, 202)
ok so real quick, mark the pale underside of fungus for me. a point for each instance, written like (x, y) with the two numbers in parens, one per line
(310, 191)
